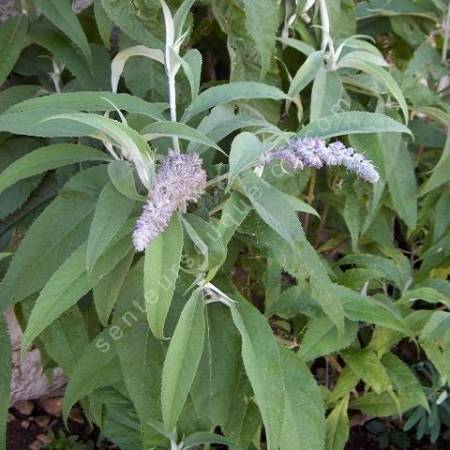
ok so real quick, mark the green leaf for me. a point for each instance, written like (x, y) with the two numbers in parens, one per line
(217, 383)
(121, 175)
(45, 35)
(246, 148)
(16, 94)
(182, 13)
(204, 437)
(358, 307)
(304, 412)
(207, 241)
(435, 326)
(192, 66)
(130, 142)
(141, 354)
(119, 61)
(326, 95)
(125, 16)
(65, 339)
(365, 10)
(307, 72)
(378, 73)
(5, 379)
(46, 247)
(273, 207)
(104, 23)
(346, 382)
(162, 264)
(221, 122)
(70, 282)
(5, 255)
(181, 130)
(300, 46)
(338, 426)
(107, 290)
(48, 158)
(367, 366)
(262, 21)
(385, 404)
(389, 269)
(226, 93)
(441, 172)
(355, 122)
(403, 188)
(34, 110)
(404, 379)
(13, 37)
(321, 338)
(182, 359)
(262, 362)
(98, 366)
(111, 213)
(60, 13)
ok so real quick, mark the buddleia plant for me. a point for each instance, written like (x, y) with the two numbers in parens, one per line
(209, 252)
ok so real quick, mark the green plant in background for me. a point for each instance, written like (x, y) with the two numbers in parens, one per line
(185, 236)
(430, 421)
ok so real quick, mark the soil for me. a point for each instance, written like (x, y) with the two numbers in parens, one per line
(41, 430)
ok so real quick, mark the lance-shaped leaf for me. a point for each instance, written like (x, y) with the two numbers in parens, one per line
(182, 359)
(162, 263)
(304, 412)
(354, 122)
(98, 366)
(338, 426)
(13, 35)
(48, 158)
(307, 72)
(278, 213)
(262, 22)
(119, 61)
(378, 73)
(61, 15)
(246, 148)
(71, 282)
(262, 363)
(181, 130)
(111, 213)
(36, 109)
(227, 93)
(45, 247)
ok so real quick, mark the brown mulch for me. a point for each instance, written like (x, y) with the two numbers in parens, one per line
(39, 425)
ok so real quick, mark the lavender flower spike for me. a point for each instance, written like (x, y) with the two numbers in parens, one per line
(80, 5)
(8, 10)
(180, 180)
(314, 153)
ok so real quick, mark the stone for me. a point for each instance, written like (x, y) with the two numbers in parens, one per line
(24, 407)
(52, 406)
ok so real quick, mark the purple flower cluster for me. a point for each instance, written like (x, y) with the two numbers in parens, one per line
(8, 10)
(80, 5)
(314, 153)
(180, 180)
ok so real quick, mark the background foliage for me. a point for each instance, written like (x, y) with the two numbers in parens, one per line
(296, 303)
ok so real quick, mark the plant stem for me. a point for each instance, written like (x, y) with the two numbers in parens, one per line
(325, 22)
(173, 107)
(321, 226)
(310, 198)
(446, 27)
